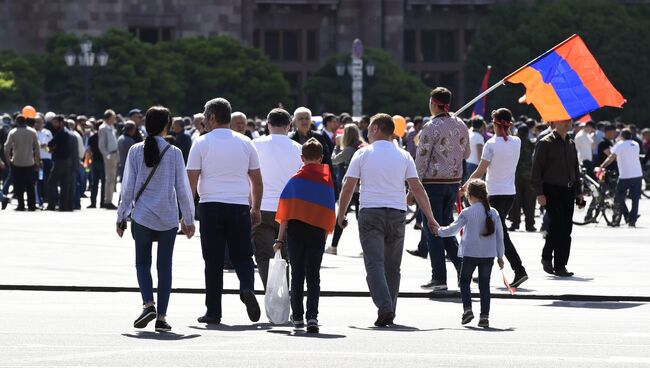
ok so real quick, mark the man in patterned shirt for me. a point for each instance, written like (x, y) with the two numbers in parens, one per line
(444, 144)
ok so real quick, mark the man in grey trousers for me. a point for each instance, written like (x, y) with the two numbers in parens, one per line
(383, 168)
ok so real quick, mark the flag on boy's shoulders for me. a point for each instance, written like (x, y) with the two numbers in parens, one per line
(309, 197)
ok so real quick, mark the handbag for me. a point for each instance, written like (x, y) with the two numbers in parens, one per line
(142, 188)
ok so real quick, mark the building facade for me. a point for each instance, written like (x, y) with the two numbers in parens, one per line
(428, 38)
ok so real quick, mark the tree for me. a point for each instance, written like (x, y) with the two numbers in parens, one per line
(20, 80)
(390, 90)
(516, 33)
(181, 75)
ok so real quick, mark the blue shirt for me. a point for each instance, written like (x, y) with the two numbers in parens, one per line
(473, 242)
(157, 207)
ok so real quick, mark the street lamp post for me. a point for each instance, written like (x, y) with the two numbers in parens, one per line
(355, 69)
(86, 61)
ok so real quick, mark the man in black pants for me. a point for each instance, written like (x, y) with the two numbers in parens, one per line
(229, 168)
(64, 156)
(23, 152)
(556, 179)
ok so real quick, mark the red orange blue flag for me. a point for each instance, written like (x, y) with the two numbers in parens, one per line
(309, 197)
(479, 107)
(566, 82)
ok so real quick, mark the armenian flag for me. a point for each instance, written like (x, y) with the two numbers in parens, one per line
(566, 82)
(309, 197)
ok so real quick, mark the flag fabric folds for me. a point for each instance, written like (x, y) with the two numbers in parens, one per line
(566, 82)
(309, 197)
(479, 106)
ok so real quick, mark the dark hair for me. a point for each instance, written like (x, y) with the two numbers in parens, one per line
(276, 118)
(418, 120)
(384, 122)
(477, 122)
(590, 124)
(477, 189)
(626, 133)
(108, 113)
(327, 117)
(156, 120)
(609, 127)
(312, 150)
(220, 108)
(20, 120)
(502, 114)
(522, 131)
(441, 94)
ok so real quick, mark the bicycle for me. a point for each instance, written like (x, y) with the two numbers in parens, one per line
(600, 200)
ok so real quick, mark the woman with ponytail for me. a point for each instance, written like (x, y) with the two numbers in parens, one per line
(154, 185)
(480, 243)
(499, 160)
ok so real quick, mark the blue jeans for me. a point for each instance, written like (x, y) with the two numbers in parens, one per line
(467, 268)
(633, 185)
(223, 223)
(443, 200)
(469, 170)
(144, 237)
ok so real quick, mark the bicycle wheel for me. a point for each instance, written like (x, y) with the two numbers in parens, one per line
(411, 213)
(611, 212)
(645, 186)
(589, 213)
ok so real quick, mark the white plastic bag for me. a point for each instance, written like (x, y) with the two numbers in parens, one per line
(276, 298)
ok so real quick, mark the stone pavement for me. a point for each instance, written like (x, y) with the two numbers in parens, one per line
(82, 249)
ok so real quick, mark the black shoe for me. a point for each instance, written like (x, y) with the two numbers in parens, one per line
(209, 319)
(467, 317)
(385, 319)
(148, 315)
(252, 308)
(92, 205)
(513, 227)
(475, 280)
(228, 266)
(102, 205)
(312, 326)
(415, 252)
(417, 226)
(20, 209)
(531, 229)
(519, 279)
(163, 326)
(562, 272)
(548, 267)
(5, 202)
(484, 322)
(435, 285)
(110, 206)
(297, 322)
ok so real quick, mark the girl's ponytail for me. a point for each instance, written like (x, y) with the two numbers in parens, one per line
(476, 188)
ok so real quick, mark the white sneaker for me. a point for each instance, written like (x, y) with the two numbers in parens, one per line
(331, 250)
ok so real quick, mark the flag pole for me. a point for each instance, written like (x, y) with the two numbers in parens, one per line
(503, 81)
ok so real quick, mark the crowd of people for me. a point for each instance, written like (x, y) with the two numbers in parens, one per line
(277, 181)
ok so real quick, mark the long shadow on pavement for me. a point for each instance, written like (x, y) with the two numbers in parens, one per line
(233, 328)
(490, 329)
(593, 305)
(572, 278)
(395, 328)
(165, 336)
(307, 335)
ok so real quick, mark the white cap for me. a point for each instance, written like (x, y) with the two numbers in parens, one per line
(48, 116)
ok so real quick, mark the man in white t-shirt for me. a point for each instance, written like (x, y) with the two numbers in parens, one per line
(584, 142)
(499, 161)
(44, 137)
(630, 175)
(382, 169)
(476, 142)
(279, 160)
(220, 166)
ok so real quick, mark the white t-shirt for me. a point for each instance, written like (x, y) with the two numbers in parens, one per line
(44, 137)
(475, 138)
(279, 159)
(224, 157)
(627, 158)
(382, 169)
(503, 156)
(584, 143)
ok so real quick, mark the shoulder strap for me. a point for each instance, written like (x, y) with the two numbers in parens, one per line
(153, 171)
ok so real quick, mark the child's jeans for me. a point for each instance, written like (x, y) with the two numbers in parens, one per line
(469, 264)
(306, 246)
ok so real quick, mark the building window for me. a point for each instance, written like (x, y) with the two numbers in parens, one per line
(151, 34)
(256, 38)
(291, 46)
(312, 45)
(272, 45)
(409, 46)
(448, 79)
(469, 37)
(438, 46)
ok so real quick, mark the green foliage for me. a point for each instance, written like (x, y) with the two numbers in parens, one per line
(390, 90)
(181, 75)
(20, 80)
(618, 36)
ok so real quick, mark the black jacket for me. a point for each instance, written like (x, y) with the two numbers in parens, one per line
(327, 153)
